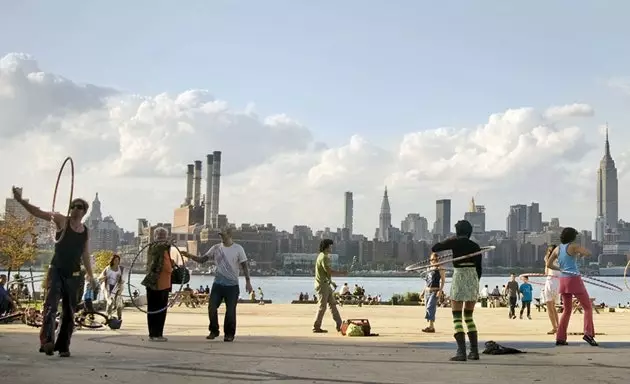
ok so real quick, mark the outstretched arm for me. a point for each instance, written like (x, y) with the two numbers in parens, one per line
(208, 256)
(59, 220)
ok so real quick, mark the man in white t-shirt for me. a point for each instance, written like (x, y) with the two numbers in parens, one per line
(227, 256)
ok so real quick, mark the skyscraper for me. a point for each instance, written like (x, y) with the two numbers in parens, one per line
(384, 219)
(476, 216)
(607, 193)
(443, 217)
(349, 212)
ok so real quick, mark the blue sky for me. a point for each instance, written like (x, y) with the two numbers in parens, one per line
(378, 68)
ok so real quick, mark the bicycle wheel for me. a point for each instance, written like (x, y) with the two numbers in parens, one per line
(91, 320)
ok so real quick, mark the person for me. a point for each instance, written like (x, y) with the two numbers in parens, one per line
(511, 291)
(64, 273)
(112, 278)
(464, 287)
(550, 291)
(526, 290)
(323, 281)
(227, 256)
(571, 285)
(485, 293)
(7, 304)
(435, 279)
(158, 283)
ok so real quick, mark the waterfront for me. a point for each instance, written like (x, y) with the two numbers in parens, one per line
(284, 289)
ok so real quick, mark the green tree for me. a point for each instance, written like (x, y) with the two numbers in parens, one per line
(101, 260)
(18, 241)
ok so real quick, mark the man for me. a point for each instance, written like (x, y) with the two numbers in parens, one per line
(7, 304)
(325, 293)
(64, 273)
(227, 256)
(512, 293)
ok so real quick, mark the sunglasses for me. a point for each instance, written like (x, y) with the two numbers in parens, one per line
(77, 206)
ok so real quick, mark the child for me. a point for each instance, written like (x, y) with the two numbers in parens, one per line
(526, 296)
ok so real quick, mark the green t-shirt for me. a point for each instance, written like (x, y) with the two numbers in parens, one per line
(322, 277)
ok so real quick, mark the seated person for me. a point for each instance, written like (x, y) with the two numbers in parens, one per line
(7, 304)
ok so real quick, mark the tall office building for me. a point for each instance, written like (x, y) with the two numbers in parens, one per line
(443, 217)
(349, 212)
(607, 194)
(533, 218)
(384, 219)
(417, 226)
(476, 216)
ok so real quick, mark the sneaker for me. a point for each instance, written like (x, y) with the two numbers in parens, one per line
(64, 354)
(48, 349)
(158, 339)
(529, 317)
(212, 336)
(590, 340)
(228, 339)
(319, 330)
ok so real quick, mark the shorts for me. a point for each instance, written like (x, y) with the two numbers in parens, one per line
(550, 291)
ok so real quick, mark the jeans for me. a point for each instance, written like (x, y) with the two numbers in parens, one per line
(219, 293)
(326, 297)
(430, 305)
(528, 305)
(62, 287)
(157, 300)
(512, 306)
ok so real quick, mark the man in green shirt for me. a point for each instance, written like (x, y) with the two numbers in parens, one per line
(325, 293)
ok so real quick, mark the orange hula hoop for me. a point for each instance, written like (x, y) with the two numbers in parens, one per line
(53, 226)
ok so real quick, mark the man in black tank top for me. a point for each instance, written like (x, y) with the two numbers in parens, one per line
(64, 273)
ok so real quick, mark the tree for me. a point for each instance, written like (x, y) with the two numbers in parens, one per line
(101, 260)
(18, 241)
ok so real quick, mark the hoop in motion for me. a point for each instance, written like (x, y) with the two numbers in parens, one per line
(625, 275)
(448, 258)
(587, 279)
(53, 226)
(172, 300)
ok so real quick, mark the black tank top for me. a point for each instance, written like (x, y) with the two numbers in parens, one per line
(433, 278)
(68, 251)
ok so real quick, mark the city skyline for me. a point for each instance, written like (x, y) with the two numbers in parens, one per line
(302, 117)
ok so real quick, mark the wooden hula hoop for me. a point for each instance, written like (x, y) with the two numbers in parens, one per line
(53, 226)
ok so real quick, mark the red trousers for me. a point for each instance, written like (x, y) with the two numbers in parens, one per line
(571, 287)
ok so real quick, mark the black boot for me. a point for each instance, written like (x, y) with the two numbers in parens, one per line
(474, 349)
(460, 337)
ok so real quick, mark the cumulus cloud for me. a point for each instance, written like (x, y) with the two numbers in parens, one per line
(133, 150)
(621, 83)
(569, 110)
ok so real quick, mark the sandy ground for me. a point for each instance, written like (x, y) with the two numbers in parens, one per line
(274, 343)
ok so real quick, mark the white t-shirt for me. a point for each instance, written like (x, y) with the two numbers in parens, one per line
(112, 276)
(228, 261)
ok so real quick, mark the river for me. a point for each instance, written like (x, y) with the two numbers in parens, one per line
(284, 289)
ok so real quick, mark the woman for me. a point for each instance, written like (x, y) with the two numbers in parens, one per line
(112, 277)
(464, 287)
(436, 277)
(550, 291)
(158, 283)
(571, 285)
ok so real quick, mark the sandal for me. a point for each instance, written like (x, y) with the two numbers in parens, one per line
(428, 330)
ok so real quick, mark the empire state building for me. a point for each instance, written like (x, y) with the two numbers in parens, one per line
(607, 194)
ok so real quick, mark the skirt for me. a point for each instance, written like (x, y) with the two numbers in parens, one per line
(550, 291)
(465, 284)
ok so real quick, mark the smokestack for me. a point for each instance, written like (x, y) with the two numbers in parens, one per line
(216, 183)
(208, 200)
(189, 184)
(197, 183)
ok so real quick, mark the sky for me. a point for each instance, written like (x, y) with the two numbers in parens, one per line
(501, 101)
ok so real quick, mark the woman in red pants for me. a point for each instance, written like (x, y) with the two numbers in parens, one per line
(571, 285)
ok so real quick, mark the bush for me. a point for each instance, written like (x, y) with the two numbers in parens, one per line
(397, 298)
(412, 297)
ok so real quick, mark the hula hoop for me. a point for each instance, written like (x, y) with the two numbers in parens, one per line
(129, 285)
(88, 320)
(587, 279)
(53, 226)
(447, 258)
(625, 274)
